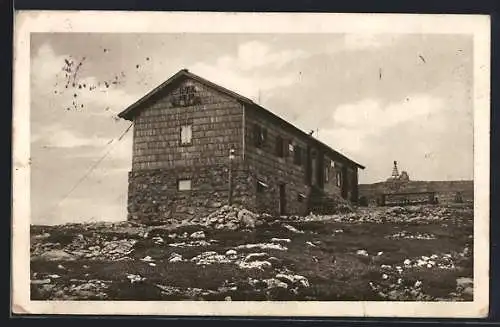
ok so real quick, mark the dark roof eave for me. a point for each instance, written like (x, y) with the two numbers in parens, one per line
(311, 138)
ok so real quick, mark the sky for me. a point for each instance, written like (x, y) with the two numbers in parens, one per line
(375, 98)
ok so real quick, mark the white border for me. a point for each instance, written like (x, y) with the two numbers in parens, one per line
(27, 22)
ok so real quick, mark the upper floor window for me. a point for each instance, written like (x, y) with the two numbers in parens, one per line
(297, 155)
(280, 150)
(186, 134)
(338, 177)
(259, 135)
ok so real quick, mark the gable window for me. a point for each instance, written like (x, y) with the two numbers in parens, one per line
(186, 134)
(297, 155)
(259, 135)
(184, 184)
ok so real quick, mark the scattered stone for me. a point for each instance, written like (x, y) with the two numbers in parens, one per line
(464, 282)
(280, 240)
(255, 265)
(247, 218)
(263, 246)
(198, 235)
(197, 243)
(158, 240)
(362, 253)
(231, 252)
(468, 291)
(147, 259)
(40, 281)
(275, 283)
(210, 257)
(42, 236)
(135, 278)
(293, 229)
(293, 279)
(57, 255)
(256, 256)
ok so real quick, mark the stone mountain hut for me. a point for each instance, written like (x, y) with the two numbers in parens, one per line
(198, 146)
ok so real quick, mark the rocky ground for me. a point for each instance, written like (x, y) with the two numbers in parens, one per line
(420, 253)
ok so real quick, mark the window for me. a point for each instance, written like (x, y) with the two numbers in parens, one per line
(301, 197)
(259, 135)
(184, 185)
(186, 134)
(327, 173)
(279, 146)
(338, 177)
(297, 155)
(261, 186)
(290, 147)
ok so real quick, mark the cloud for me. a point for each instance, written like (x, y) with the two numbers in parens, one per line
(49, 85)
(371, 115)
(252, 69)
(256, 54)
(353, 122)
(367, 41)
(67, 139)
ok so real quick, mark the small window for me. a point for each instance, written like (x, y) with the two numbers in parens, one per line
(279, 146)
(297, 155)
(184, 185)
(290, 147)
(261, 186)
(301, 197)
(327, 173)
(260, 136)
(338, 177)
(186, 134)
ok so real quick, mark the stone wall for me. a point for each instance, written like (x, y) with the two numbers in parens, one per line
(153, 195)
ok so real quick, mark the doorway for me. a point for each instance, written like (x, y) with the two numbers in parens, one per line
(282, 203)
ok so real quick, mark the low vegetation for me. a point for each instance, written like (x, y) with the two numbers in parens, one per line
(420, 253)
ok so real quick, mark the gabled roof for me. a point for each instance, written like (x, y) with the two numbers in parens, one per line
(130, 112)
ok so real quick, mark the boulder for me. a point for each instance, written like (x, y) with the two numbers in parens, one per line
(464, 282)
(198, 235)
(231, 252)
(247, 218)
(56, 255)
(256, 256)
